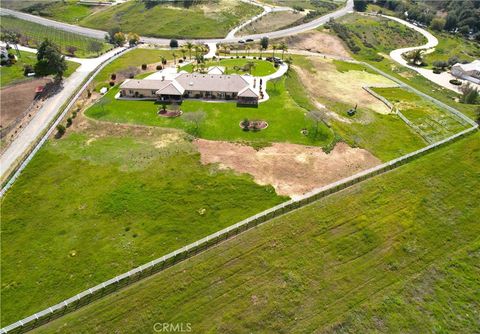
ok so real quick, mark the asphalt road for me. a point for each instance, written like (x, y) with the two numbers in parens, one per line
(152, 40)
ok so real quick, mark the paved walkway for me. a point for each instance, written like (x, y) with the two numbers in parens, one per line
(48, 112)
(442, 79)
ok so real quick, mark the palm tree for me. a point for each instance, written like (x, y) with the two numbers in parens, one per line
(183, 51)
(174, 55)
(247, 47)
(274, 47)
(197, 48)
(260, 48)
(415, 57)
(283, 47)
(189, 47)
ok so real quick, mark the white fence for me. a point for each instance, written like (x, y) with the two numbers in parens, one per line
(157, 265)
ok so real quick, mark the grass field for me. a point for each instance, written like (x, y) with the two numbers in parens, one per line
(285, 118)
(235, 66)
(404, 257)
(450, 46)
(14, 73)
(305, 4)
(105, 199)
(211, 20)
(36, 33)
(432, 122)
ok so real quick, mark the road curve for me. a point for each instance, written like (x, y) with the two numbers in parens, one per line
(442, 79)
(153, 40)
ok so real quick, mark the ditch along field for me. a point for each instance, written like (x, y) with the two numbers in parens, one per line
(376, 37)
(212, 19)
(34, 34)
(414, 268)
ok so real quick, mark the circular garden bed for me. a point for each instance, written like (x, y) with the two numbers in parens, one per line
(169, 113)
(248, 125)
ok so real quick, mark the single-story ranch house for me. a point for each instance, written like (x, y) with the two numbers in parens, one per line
(470, 72)
(194, 85)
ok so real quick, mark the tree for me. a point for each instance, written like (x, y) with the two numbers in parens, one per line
(71, 50)
(283, 46)
(274, 47)
(264, 42)
(173, 43)
(477, 113)
(109, 37)
(50, 60)
(260, 48)
(247, 47)
(195, 118)
(360, 5)
(133, 39)
(437, 24)
(60, 130)
(95, 46)
(415, 57)
(451, 22)
(119, 39)
(469, 94)
(189, 46)
(317, 118)
(11, 37)
(174, 55)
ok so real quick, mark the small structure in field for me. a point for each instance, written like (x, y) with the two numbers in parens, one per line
(470, 71)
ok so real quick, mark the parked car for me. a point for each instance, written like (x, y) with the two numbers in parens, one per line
(241, 41)
(249, 40)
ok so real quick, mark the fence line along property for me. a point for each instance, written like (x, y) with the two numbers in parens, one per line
(15, 173)
(157, 265)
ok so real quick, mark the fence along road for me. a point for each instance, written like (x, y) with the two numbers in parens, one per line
(157, 265)
(30, 152)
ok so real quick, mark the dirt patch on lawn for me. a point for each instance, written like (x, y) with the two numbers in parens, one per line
(316, 41)
(16, 99)
(326, 83)
(291, 169)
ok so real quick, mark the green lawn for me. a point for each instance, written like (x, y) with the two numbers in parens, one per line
(37, 33)
(399, 253)
(285, 118)
(210, 20)
(14, 74)
(450, 46)
(235, 66)
(432, 122)
(104, 200)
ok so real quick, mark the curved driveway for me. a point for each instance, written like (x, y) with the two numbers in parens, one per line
(441, 79)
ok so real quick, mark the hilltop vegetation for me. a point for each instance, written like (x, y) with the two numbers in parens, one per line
(413, 268)
(209, 20)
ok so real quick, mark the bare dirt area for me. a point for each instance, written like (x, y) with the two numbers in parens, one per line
(291, 169)
(17, 98)
(271, 22)
(317, 41)
(326, 83)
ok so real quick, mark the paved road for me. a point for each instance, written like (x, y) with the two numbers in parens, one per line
(47, 113)
(101, 34)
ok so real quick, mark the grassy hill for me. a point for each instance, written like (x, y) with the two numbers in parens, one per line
(210, 20)
(397, 253)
